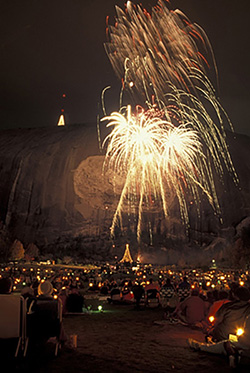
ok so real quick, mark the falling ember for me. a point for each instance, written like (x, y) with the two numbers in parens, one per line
(174, 140)
(154, 157)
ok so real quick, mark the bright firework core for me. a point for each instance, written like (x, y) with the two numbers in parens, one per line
(174, 141)
(154, 157)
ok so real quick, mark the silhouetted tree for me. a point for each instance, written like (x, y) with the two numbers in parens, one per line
(241, 252)
(16, 250)
(31, 251)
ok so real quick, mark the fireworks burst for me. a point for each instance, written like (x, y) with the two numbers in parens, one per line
(154, 157)
(176, 141)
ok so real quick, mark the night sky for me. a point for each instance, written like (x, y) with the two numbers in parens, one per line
(55, 47)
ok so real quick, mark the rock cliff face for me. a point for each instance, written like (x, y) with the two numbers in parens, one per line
(37, 198)
(51, 184)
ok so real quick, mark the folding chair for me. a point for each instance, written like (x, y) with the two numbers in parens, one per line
(165, 295)
(12, 318)
(183, 293)
(43, 321)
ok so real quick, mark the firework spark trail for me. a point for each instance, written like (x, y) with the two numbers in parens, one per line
(160, 59)
(154, 157)
(155, 49)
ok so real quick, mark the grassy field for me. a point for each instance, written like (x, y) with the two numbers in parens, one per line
(121, 339)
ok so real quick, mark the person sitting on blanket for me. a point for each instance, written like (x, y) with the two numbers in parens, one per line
(214, 308)
(233, 346)
(231, 315)
(192, 310)
(74, 301)
(168, 298)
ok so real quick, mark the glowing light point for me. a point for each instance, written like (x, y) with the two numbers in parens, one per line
(211, 319)
(239, 332)
(61, 121)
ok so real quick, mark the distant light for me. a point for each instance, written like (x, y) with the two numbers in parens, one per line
(100, 308)
(61, 121)
(211, 319)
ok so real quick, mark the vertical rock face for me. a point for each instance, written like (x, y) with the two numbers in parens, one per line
(37, 198)
(51, 184)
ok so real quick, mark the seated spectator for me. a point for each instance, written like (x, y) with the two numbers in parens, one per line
(6, 285)
(231, 315)
(152, 291)
(168, 286)
(104, 290)
(184, 284)
(168, 298)
(74, 301)
(152, 285)
(241, 345)
(215, 295)
(45, 290)
(192, 310)
(167, 292)
(43, 319)
(223, 298)
(184, 289)
(138, 292)
(115, 295)
(210, 297)
(127, 295)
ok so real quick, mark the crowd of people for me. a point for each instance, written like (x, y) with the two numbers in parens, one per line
(217, 302)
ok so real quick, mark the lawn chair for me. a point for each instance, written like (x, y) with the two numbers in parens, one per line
(12, 315)
(183, 293)
(166, 294)
(44, 321)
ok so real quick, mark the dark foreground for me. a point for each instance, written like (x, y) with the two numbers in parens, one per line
(121, 339)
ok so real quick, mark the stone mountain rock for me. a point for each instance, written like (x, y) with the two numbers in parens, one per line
(52, 184)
